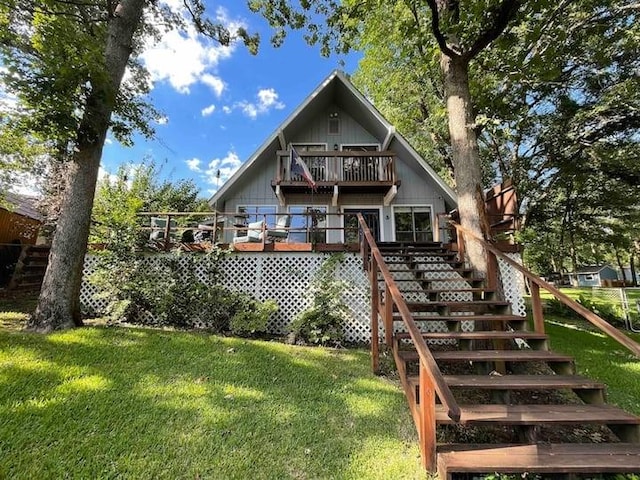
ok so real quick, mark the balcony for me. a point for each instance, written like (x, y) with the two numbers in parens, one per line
(338, 172)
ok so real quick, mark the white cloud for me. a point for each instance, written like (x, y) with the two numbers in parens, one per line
(266, 100)
(227, 109)
(108, 141)
(25, 183)
(227, 166)
(162, 120)
(208, 110)
(216, 83)
(183, 58)
(194, 164)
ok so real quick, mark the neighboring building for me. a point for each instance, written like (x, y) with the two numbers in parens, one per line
(20, 223)
(594, 275)
(358, 162)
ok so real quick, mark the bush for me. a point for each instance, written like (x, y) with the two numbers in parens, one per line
(168, 292)
(323, 321)
(611, 313)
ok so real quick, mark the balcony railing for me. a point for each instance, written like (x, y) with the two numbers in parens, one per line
(340, 167)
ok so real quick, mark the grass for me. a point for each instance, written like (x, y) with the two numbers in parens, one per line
(102, 402)
(599, 357)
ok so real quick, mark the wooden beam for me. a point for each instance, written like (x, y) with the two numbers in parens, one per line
(282, 139)
(280, 195)
(391, 194)
(387, 140)
(334, 199)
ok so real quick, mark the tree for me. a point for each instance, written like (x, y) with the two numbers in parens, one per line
(457, 32)
(92, 44)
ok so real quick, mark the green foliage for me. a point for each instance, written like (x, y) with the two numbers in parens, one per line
(166, 290)
(609, 312)
(136, 189)
(323, 321)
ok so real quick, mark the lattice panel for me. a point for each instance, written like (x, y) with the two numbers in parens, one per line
(513, 287)
(278, 276)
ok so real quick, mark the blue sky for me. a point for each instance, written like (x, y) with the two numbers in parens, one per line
(220, 104)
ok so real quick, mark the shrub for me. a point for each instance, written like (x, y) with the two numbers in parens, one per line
(168, 291)
(611, 313)
(323, 321)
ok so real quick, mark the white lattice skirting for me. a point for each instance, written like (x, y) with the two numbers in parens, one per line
(285, 277)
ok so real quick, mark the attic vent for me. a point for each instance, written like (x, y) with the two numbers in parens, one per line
(334, 124)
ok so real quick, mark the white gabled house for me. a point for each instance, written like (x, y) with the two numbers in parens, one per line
(359, 164)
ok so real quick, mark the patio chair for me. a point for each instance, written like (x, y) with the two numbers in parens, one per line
(254, 233)
(281, 231)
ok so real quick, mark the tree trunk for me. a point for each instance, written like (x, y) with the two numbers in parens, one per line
(59, 302)
(620, 266)
(632, 267)
(466, 157)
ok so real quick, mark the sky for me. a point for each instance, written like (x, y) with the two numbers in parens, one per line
(220, 104)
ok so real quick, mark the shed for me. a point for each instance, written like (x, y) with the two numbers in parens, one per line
(594, 275)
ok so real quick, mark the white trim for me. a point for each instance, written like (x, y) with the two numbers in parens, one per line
(365, 207)
(411, 205)
(389, 137)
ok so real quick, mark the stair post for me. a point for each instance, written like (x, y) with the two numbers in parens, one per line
(427, 427)
(375, 302)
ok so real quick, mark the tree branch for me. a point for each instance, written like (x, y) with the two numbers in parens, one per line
(435, 29)
(500, 18)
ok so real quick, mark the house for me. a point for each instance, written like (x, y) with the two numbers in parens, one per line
(357, 163)
(594, 276)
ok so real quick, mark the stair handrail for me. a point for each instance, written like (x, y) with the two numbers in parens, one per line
(536, 283)
(426, 359)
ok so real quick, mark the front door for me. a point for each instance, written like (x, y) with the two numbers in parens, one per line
(351, 227)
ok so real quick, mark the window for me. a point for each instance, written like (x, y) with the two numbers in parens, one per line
(317, 165)
(255, 213)
(589, 277)
(413, 224)
(334, 125)
(308, 224)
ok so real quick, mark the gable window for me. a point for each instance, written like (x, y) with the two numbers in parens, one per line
(412, 224)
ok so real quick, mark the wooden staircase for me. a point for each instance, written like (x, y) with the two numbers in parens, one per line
(30, 269)
(466, 360)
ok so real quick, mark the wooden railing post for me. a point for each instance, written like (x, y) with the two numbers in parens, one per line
(536, 306)
(375, 307)
(461, 246)
(388, 317)
(492, 271)
(427, 427)
(167, 232)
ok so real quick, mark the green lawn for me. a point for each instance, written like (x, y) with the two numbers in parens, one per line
(102, 402)
(599, 357)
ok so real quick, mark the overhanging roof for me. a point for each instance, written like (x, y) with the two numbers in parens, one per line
(337, 88)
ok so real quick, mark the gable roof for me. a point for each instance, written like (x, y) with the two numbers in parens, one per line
(22, 205)
(592, 269)
(337, 87)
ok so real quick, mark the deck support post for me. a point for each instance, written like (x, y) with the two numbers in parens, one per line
(427, 426)
(388, 317)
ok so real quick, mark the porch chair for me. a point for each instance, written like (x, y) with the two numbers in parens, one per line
(254, 233)
(281, 231)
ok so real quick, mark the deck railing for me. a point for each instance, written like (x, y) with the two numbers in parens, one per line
(431, 381)
(340, 167)
(536, 283)
(168, 229)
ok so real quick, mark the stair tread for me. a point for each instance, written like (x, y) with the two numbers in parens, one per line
(480, 335)
(539, 414)
(540, 458)
(489, 355)
(479, 317)
(442, 290)
(518, 382)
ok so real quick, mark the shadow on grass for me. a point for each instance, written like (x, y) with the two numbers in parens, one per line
(113, 402)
